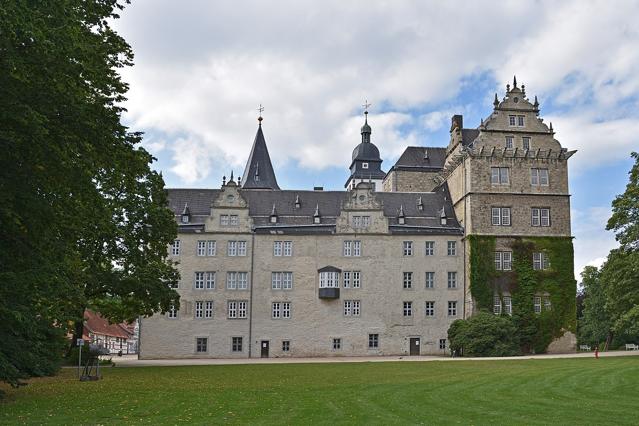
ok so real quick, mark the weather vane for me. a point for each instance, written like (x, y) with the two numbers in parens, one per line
(366, 105)
(260, 109)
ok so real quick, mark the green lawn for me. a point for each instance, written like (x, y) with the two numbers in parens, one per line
(554, 391)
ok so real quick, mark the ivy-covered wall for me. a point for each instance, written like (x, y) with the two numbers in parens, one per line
(536, 331)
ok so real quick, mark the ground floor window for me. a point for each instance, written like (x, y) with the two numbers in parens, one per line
(442, 343)
(236, 344)
(337, 344)
(201, 344)
(286, 345)
(373, 341)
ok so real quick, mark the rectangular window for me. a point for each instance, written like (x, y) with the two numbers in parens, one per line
(286, 345)
(210, 248)
(357, 248)
(231, 249)
(361, 222)
(199, 280)
(224, 220)
(281, 310)
(408, 309)
(430, 280)
(373, 341)
(547, 304)
(497, 305)
(204, 280)
(241, 248)
(452, 280)
(237, 308)
(537, 304)
(512, 120)
(541, 261)
(351, 308)
(172, 313)
(430, 309)
(276, 310)
(288, 248)
(500, 175)
(508, 305)
(452, 309)
(503, 260)
(540, 216)
(277, 248)
(525, 141)
(346, 279)
(357, 281)
(452, 248)
(201, 248)
(500, 216)
(539, 177)
(236, 344)
(356, 308)
(520, 120)
(429, 249)
(352, 248)
(208, 309)
(199, 309)
(337, 344)
(201, 344)
(175, 248)
(329, 280)
(408, 248)
(408, 280)
(442, 344)
(234, 220)
(509, 142)
(286, 310)
(281, 280)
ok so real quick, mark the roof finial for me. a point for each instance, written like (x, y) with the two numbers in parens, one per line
(223, 180)
(273, 212)
(260, 109)
(366, 105)
(551, 129)
(523, 89)
(514, 82)
(496, 101)
(231, 178)
(401, 210)
(536, 103)
(507, 88)
(317, 213)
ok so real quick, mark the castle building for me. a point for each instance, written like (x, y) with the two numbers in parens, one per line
(386, 266)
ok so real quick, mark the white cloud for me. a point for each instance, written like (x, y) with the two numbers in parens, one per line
(592, 242)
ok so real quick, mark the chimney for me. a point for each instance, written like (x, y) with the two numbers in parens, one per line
(318, 188)
(457, 122)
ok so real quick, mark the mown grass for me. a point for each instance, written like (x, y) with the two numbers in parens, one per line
(554, 391)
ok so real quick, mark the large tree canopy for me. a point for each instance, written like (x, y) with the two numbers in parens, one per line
(595, 324)
(83, 217)
(625, 211)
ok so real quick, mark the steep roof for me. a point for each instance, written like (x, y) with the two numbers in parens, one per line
(96, 324)
(421, 157)
(259, 173)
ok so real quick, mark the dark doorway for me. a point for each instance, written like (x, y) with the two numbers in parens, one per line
(414, 345)
(264, 351)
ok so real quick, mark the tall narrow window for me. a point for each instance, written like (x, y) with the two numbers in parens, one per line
(452, 248)
(430, 279)
(199, 309)
(430, 308)
(408, 280)
(408, 309)
(175, 248)
(357, 281)
(537, 304)
(236, 344)
(201, 248)
(512, 120)
(373, 341)
(288, 248)
(172, 313)
(208, 309)
(509, 142)
(508, 305)
(210, 248)
(408, 248)
(346, 279)
(277, 248)
(452, 308)
(452, 280)
(525, 141)
(497, 305)
(430, 248)
(520, 121)
(231, 248)
(241, 248)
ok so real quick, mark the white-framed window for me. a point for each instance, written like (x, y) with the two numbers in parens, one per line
(525, 142)
(442, 344)
(496, 305)
(286, 345)
(175, 248)
(346, 279)
(236, 248)
(281, 280)
(452, 308)
(537, 304)
(452, 248)
(208, 309)
(429, 248)
(508, 305)
(283, 248)
(430, 279)
(509, 142)
(373, 341)
(540, 216)
(172, 313)
(357, 279)
(500, 216)
(277, 248)
(329, 279)
(201, 344)
(539, 177)
(407, 248)
(204, 280)
(229, 220)
(288, 248)
(408, 280)
(361, 221)
(500, 175)
(408, 309)
(201, 248)
(352, 248)
(337, 344)
(236, 308)
(541, 261)
(520, 121)
(236, 344)
(352, 308)
(231, 248)
(452, 279)
(210, 248)
(236, 280)
(276, 310)
(241, 248)
(199, 309)
(430, 308)
(364, 165)
(547, 303)
(281, 310)
(503, 260)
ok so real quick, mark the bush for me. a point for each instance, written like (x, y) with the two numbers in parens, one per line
(484, 334)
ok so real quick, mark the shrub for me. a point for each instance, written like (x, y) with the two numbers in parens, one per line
(484, 334)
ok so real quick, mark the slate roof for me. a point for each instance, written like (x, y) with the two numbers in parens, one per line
(469, 135)
(413, 158)
(259, 173)
(292, 219)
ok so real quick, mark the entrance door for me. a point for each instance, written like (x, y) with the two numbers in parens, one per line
(264, 349)
(414, 345)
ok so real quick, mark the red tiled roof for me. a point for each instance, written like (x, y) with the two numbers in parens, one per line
(94, 323)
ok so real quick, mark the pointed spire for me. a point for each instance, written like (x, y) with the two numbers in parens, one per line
(514, 82)
(256, 177)
(231, 178)
(186, 209)
(536, 103)
(496, 101)
(401, 211)
(442, 213)
(442, 217)
(273, 211)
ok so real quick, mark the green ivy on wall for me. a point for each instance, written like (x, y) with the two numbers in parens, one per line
(536, 331)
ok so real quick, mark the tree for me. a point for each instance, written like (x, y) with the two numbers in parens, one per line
(625, 211)
(484, 334)
(595, 324)
(84, 219)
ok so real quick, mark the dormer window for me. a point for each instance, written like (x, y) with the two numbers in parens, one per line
(316, 219)
(185, 218)
(273, 215)
(443, 220)
(186, 214)
(401, 220)
(273, 219)
(364, 165)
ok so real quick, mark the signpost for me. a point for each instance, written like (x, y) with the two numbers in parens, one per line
(80, 343)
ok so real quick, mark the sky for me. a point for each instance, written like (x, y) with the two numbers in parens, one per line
(202, 68)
